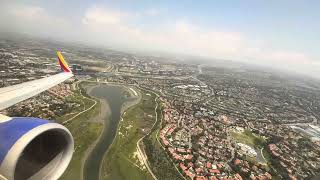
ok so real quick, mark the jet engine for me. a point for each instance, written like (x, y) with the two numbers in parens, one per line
(33, 148)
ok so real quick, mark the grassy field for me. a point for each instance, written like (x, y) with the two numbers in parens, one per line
(253, 140)
(247, 137)
(159, 160)
(267, 156)
(120, 162)
(84, 132)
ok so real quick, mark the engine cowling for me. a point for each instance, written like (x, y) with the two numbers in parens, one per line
(33, 148)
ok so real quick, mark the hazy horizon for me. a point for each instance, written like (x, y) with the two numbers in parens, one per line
(275, 34)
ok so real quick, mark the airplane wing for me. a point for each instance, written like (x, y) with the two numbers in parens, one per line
(17, 93)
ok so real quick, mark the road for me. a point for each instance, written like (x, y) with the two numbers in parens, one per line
(144, 157)
(85, 110)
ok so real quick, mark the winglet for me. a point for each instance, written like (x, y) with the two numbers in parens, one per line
(63, 64)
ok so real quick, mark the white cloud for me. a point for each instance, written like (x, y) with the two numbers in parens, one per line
(183, 37)
(27, 11)
(99, 16)
(179, 36)
(109, 27)
(32, 19)
(292, 56)
(152, 12)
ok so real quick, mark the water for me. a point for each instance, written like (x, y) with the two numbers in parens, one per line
(114, 96)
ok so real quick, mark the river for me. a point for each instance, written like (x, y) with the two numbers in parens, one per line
(114, 96)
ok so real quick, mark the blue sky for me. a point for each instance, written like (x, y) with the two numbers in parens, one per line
(284, 22)
(272, 32)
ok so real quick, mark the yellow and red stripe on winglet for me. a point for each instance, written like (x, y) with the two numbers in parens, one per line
(63, 64)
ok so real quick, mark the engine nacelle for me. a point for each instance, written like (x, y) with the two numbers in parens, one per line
(33, 148)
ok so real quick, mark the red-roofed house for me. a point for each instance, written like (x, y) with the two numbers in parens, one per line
(238, 177)
(171, 150)
(190, 174)
(237, 162)
(201, 178)
(268, 175)
(183, 167)
(190, 164)
(188, 157)
(177, 157)
(181, 150)
(199, 170)
(165, 141)
(262, 177)
(216, 171)
(213, 178)
(209, 165)
(253, 177)
(292, 177)
(273, 147)
(219, 165)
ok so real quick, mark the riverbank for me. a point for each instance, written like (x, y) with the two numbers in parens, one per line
(84, 131)
(118, 98)
(104, 113)
(121, 161)
(125, 106)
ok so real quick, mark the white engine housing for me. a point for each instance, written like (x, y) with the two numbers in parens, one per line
(42, 151)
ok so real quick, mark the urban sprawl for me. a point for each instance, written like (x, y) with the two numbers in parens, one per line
(218, 122)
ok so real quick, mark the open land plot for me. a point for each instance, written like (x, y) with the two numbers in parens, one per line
(247, 137)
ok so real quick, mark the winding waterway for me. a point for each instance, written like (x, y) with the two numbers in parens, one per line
(113, 95)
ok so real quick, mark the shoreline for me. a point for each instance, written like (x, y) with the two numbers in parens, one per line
(125, 106)
(104, 106)
(105, 113)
